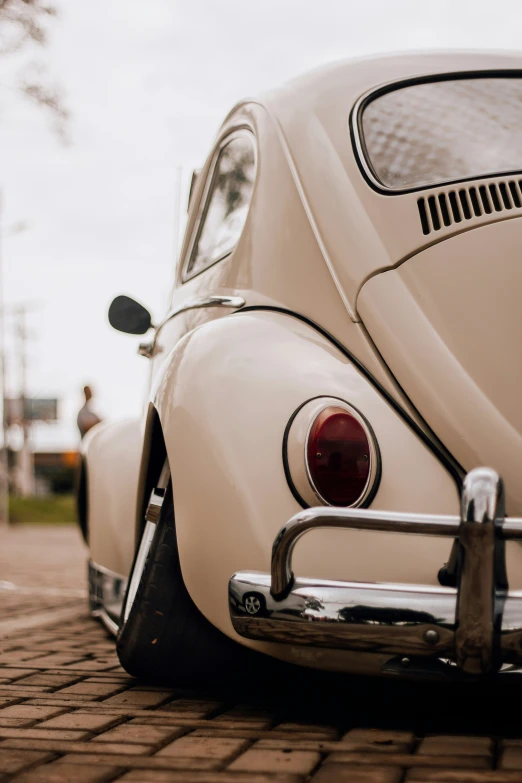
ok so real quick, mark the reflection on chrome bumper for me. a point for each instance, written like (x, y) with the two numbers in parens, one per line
(106, 593)
(476, 626)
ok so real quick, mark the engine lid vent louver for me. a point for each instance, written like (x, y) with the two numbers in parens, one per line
(455, 206)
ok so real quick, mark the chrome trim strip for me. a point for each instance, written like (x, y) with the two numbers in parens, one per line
(477, 626)
(139, 567)
(106, 593)
(152, 517)
(235, 302)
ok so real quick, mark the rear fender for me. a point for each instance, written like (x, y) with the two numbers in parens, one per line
(225, 396)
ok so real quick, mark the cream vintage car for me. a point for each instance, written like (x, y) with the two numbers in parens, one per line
(341, 358)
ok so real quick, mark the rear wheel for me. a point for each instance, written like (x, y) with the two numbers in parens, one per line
(163, 636)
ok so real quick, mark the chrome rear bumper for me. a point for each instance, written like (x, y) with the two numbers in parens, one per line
(474, 628)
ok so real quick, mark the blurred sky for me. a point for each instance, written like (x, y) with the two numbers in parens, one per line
(147, 85)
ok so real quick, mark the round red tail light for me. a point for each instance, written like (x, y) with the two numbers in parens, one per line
(339, 457)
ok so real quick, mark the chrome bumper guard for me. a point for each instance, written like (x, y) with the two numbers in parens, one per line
(474, 628)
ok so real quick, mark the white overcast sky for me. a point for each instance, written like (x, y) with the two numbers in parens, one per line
(147, 85)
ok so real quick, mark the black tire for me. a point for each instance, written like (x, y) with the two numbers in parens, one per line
(166, 639)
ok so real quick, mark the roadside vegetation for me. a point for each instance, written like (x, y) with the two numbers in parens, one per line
(48, 510)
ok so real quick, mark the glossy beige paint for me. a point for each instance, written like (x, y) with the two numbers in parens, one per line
(277, 262)
(112, 452)
(361, 230)
(224, 413)
(316, 241)
(462, 361)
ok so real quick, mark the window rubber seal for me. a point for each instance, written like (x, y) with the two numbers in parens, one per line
(360, 150)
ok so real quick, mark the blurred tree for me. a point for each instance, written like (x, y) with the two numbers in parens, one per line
(23, 25)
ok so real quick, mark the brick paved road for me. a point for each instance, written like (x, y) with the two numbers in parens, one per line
(68, 712)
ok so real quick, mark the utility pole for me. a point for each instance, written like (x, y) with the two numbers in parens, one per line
(4, 456)
(25, 467)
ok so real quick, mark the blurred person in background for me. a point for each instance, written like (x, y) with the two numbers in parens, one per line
(87, 418)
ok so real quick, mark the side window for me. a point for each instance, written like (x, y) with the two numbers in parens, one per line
(226, 205)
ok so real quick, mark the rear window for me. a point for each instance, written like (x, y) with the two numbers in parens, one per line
(424, 134)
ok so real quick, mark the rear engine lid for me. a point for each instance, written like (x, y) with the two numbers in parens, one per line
(448, 322)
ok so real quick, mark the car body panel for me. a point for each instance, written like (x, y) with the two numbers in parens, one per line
(334, 309)
(278, 261)
(364, 231)
(449, 323)
(229, 408)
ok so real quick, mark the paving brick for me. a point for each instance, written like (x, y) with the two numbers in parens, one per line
(139, 761)
(108, 678)
(94, 690)
(42, 734)
(250, 724)
(63, 773)
(378, 739)
(456, 746)
(68, 713)
(136, 698)
(91, 666)
(75, 720)
(346, 773)
(152, 721)
(511, 758)
(12, 761)
(17, 656)
(211, 730)
(55, 659)
(173, 692)
(185, 776)
(192, 708)
(231, 726)
(5, 700)
(320, 746)
(423, 775)
(15, 722)
(144, 735)
(91, 747)
(308, 728)
(21, 691)
(11, 673)
(297, 762)
(405, 760)
(204, 747)
(30, 712)
(51, 680)
(53, 700)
